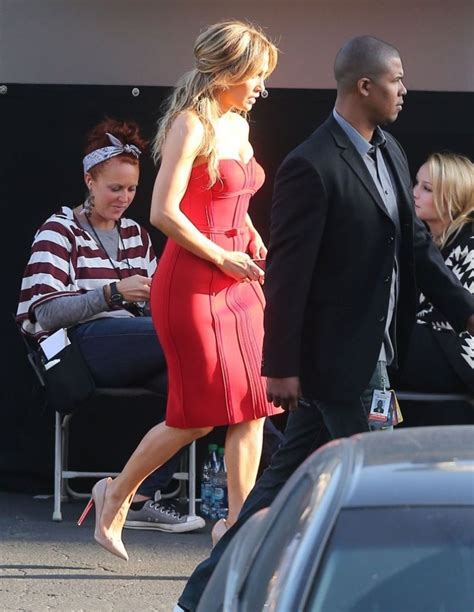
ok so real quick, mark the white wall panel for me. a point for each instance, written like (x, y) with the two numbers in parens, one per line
(149, 42)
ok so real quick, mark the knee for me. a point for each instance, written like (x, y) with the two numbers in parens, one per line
(253, 426)
(189, 434)
(199, 432)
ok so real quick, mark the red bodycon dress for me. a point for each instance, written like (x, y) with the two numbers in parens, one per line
(209, 325)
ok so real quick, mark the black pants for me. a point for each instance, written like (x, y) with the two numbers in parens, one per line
(307, 428)
(427, 368)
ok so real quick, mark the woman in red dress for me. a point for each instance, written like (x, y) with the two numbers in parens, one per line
(206, 297)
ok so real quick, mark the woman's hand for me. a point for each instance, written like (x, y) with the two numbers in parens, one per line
(256, 247)
(135, 288)
(240, 266)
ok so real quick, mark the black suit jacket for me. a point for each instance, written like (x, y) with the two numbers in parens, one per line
(329, 266)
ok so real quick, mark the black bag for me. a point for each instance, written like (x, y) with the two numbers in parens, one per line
(69, 382)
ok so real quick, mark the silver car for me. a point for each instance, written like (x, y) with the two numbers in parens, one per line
(378, 522)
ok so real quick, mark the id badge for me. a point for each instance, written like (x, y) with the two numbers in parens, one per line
(380, 413)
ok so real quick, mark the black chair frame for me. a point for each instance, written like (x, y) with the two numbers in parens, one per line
(62, 475)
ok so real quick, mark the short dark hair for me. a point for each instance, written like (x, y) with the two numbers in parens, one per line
(362, 56)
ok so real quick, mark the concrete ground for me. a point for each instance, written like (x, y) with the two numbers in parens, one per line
(46, 565)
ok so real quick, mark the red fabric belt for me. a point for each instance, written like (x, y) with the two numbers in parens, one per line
(229, 232)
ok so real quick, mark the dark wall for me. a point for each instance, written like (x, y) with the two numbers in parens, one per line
(43, 128)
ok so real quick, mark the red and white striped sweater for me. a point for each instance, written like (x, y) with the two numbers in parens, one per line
(66, 260)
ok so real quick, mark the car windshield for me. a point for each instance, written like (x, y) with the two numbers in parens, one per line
(390, 559)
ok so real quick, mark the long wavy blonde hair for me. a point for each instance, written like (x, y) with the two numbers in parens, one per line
(226, 53)
(452, 181)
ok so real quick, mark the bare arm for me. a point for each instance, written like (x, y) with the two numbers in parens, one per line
(180, 150)
(257, 248)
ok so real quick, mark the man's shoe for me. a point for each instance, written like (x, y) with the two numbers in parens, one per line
(156, 515)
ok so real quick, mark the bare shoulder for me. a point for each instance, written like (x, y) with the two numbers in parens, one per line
(185, 134)
(187, 127)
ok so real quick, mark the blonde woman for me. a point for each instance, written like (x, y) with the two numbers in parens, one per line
(206, 299)
(439, 360)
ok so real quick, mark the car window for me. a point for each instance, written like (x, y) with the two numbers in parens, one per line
(416, 559)
(303, 499)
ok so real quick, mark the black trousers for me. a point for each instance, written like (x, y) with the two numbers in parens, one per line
(426, 368)
(307, 429)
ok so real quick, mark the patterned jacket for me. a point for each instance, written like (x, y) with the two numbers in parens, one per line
(66, 260)
(459, 349)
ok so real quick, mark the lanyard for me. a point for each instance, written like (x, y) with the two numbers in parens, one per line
(117, 271)
(136, 308)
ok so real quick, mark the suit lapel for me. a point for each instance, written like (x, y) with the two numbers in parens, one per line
(354, 160)
(351, 156)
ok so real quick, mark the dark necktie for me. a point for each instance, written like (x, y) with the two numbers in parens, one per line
(373, 154)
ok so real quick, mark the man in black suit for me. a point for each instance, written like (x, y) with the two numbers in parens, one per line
(340, 277)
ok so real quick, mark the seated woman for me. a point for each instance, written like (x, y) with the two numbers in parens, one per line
(439, 360)
(90, 271)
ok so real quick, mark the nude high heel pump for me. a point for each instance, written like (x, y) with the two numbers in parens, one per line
(115, 546)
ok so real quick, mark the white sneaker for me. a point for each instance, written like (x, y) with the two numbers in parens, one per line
(160, 516)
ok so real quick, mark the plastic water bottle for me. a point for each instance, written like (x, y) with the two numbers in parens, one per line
(214, 470)
(209, 465)
(219, 482)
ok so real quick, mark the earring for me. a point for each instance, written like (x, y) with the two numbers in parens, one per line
(89, 203)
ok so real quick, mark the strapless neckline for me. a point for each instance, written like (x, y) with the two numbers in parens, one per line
(227, 159)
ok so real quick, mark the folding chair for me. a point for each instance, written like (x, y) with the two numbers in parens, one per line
(62, 475)
(417, 396)
(431, 399)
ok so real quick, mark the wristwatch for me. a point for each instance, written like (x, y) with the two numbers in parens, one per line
(116, 298)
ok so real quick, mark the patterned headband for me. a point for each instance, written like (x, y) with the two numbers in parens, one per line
(100, 155)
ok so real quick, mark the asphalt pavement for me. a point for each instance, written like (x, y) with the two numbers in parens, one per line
(46, 565)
